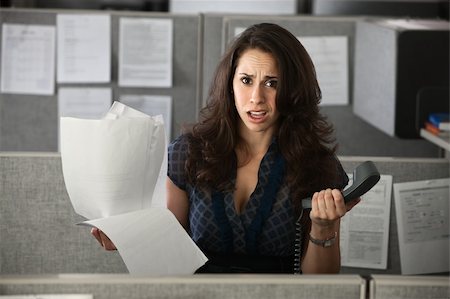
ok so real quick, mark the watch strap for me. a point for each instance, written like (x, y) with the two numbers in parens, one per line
(324, 243)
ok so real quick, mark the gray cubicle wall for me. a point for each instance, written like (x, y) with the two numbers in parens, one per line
(194, 287)
(38, 231)
(38, 234)
(409, 287)
(355, 136)
(30, 122)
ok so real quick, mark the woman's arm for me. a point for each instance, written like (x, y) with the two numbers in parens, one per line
(328, 207)
(177, 202)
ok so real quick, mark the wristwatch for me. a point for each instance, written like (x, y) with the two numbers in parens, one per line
(324, 243)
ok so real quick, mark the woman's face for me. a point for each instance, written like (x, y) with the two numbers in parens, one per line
(255, 90)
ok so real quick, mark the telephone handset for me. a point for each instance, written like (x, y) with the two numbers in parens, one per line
(365, 176)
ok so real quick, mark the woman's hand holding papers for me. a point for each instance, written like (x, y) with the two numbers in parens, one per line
(104, 241)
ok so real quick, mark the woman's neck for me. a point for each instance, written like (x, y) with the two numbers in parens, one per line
(253, 144)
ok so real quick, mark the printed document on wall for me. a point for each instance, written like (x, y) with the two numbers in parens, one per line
(365, 229)
(87, 103)
(145, 52)
(330, 57)
(84, 48)
(422, 211)
(28, 59)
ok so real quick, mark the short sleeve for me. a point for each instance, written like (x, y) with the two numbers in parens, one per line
(177, 154)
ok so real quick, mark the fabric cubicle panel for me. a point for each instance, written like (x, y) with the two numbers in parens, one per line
(198, 286)
(38, 231)
(39, 235)
(409, 287)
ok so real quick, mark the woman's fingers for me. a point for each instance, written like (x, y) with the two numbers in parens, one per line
(96, 233)
(328, 205)
(339, 202)
(104, 241)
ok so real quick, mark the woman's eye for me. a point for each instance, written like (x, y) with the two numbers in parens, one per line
(246, 80)
(271, 83)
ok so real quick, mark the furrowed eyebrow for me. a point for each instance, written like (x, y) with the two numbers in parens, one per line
(252, 76)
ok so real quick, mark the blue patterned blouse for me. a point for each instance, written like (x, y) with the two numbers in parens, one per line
(263, 228)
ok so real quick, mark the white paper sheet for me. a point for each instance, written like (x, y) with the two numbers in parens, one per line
(145, 52)
(112, 171)
(422, 210)
(28, 59)
(84, 48)
(365, 229)
(152, 242)
(330, 57)
(111, 166)
(152, 105)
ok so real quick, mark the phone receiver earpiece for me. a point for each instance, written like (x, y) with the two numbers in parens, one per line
(365, 176)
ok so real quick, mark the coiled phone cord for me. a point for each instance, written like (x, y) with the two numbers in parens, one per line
(298, 245)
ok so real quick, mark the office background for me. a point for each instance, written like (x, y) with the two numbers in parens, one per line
(30, 123)
(32, 184)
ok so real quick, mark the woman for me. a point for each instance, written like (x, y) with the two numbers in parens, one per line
(237, 178)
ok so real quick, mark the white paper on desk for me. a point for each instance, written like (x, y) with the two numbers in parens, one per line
(145, 52)
(330, 57)
(28, 59)
(152, 242)
(422, 210)
(84, 48)
(111, 165)
(364, 233)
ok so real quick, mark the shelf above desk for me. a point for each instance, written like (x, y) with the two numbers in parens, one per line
(443, 142)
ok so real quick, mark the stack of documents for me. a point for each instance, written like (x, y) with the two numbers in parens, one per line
(114, 169)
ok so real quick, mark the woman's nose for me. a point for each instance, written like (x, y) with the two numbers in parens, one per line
(257, 95)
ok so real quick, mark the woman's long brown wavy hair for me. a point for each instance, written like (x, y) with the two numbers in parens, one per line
(304, 136)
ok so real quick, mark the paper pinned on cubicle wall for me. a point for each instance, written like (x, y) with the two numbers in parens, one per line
(84, 102)
(422, 210)
(330, 57)
(84, 48)
(145, 52)
(111, 165)
(365, 229)
(28, 59)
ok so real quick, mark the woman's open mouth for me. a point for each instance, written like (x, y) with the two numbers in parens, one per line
(257, 115)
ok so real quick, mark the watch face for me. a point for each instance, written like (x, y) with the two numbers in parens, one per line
(328, 243)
